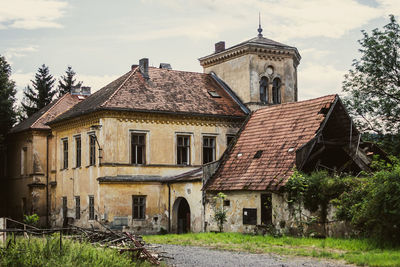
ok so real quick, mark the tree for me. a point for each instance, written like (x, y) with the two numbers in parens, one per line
(7, 99)
(41, 93)
(219, 211)
(373, 85)
(67, 81)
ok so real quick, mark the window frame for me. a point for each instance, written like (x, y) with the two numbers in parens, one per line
(65, 149)
(92, 149)
(78, 151)
(276, 91)
(232, 136)
(141, 212)
(264, 89)
(247, 219)
(77, 207)
(179, 148)
(91, 207)
(134, 147)
(213, 148)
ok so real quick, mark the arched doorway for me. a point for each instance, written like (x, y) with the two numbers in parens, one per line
(181, 220)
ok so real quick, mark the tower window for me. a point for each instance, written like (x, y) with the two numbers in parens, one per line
(264, 90)
(276, 91)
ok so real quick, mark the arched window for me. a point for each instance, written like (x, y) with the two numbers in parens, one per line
(264, 90)
(276, 91)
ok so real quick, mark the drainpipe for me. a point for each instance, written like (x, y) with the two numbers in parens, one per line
(47, 180)
(169, 207)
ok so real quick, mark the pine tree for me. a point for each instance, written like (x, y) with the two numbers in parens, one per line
(67, 81)
(41, 93)
(7, 99)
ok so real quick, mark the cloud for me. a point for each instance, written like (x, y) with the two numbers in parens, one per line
(96, 82)
(282, 20)
(21, 81)
(17, 52)
(31, 14)
(317, 80)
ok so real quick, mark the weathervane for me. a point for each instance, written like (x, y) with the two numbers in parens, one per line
(259, 26)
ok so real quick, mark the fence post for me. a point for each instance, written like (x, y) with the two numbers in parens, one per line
(3, 235)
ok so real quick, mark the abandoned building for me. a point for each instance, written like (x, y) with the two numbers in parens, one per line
(148, 151)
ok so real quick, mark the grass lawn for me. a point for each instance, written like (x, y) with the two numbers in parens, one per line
(46, 252)
(361, 252)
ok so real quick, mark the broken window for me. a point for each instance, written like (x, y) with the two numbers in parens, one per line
(250, 216)
(208, 149)
(229, 139)
(227, 202)
(24, 160)
(92, 149)
(276, 91)
(138, 148)
(77, 207)
(78, 153)
(65, 153)
(183, 150)
(64, 207)
(264, 89)
(91, 207)
(138, 207)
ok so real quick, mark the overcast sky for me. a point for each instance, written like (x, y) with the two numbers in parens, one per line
(102, 39)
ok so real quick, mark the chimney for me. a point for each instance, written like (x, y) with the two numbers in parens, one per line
(144, 67)
(165, 66)
(219, 47)
(85, 90)
(76, 90)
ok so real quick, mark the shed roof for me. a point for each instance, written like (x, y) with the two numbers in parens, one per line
(264, 154)
(166, 91)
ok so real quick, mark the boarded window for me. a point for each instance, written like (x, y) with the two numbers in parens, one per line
(78, 153)
(138, 148)
(92, 149)
(250, 216)
(138, 207)
(183, 150)
(64, 207)
(65, 154)
(77, 207)
(208, 149)
(91, 207)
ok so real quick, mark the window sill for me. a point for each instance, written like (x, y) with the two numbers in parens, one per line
(138, 219)
(80, 167)
(91, 166)
(65, 169)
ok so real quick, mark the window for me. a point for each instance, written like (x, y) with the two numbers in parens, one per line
(264, 90)
(77, 207)
(64, 207)
(78, 145)
(250, 216)
(138, 148)
(227, 202)
(276, 91)
(65, 153)
(208, 149)
(92, 149)
(229, 139)
(24, 160)
(91, 207)
(138, 207)
(183, 150)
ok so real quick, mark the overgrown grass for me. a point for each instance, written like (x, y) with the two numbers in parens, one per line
(362, 252)
(46, 252)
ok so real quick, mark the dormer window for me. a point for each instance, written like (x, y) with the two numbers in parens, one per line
(276, 91)
(264, 89)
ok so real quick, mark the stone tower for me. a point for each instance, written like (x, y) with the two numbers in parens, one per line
(260, 71)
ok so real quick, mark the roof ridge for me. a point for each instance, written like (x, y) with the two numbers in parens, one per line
(120, 86)
(47, 111)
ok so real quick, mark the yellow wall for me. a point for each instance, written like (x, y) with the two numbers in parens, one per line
(115, 199)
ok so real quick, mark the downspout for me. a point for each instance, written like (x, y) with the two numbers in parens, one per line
(169, 207)
(47, 180)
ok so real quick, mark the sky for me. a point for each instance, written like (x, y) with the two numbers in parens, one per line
(102, 39)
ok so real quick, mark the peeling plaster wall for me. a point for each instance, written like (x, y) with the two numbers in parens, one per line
(115, 200)
(243, 75)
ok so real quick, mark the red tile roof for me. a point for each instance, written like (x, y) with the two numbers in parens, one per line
(166, 91)
(277, 132)
(38, 120)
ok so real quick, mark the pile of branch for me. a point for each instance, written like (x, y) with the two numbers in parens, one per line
(123, 241)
